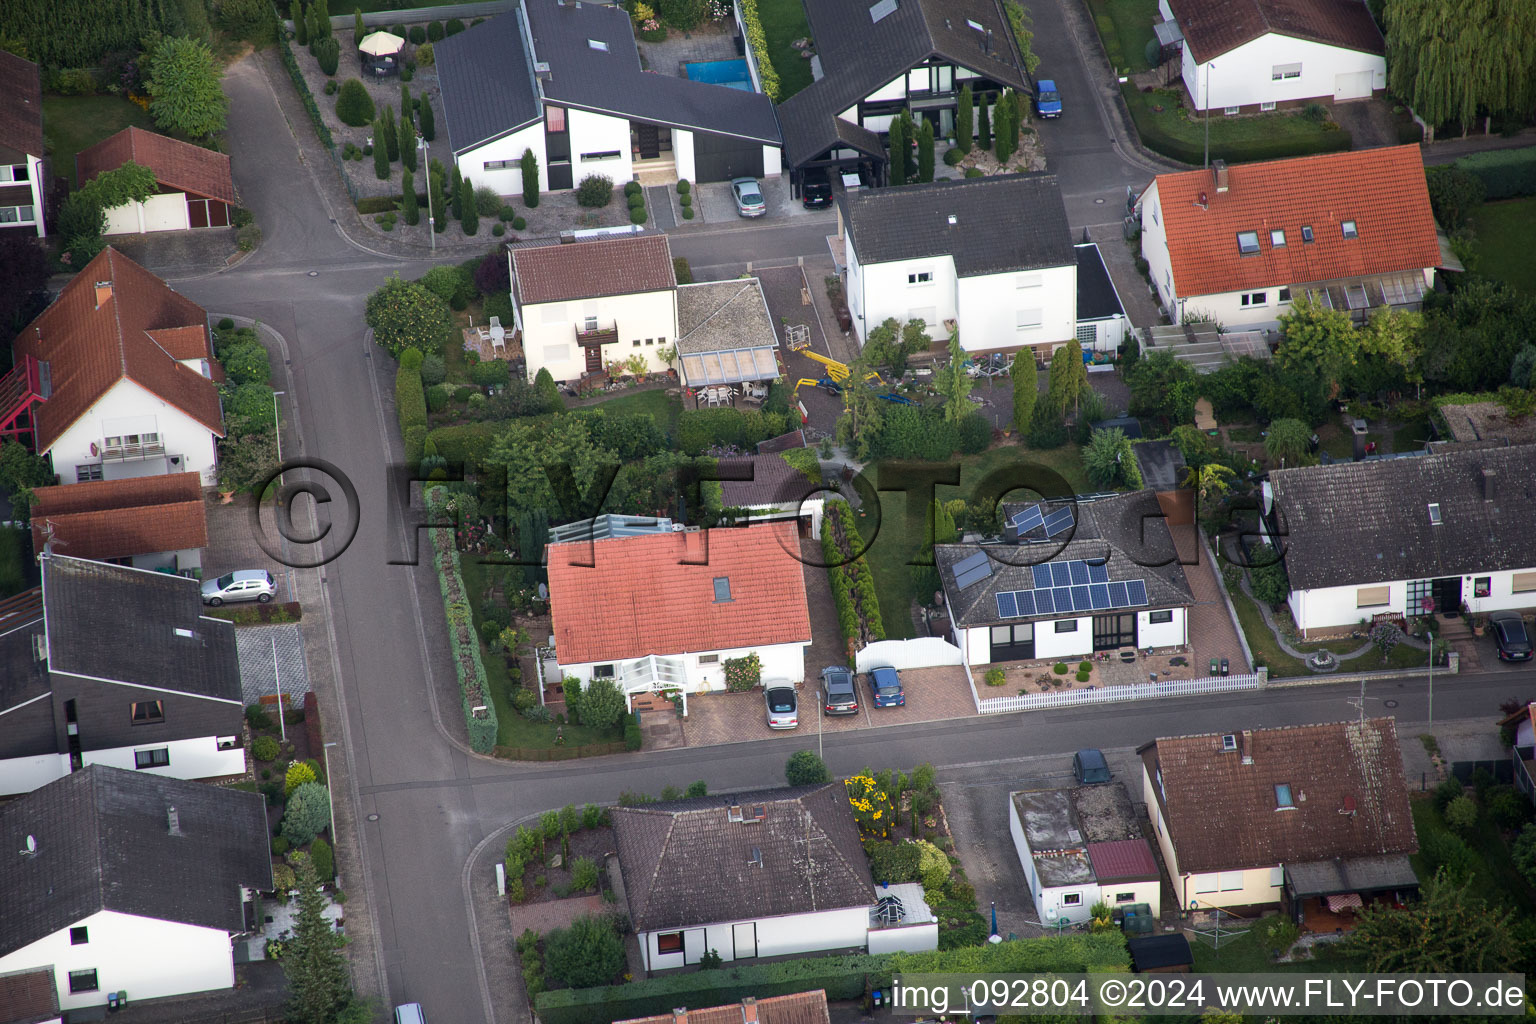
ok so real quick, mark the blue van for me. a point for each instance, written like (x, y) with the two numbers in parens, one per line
(1047, 99)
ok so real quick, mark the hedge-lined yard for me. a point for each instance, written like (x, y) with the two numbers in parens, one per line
(1234, 139)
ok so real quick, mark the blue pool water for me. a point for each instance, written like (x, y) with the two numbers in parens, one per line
(730, 73)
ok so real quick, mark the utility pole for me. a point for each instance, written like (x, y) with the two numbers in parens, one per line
(1208, 69)
(426, 165)
(277, 679)
(1431, 635)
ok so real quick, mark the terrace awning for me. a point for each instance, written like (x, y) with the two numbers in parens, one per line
(729, 367)
(380, 44)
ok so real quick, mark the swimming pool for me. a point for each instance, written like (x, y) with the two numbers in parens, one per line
(730, 73)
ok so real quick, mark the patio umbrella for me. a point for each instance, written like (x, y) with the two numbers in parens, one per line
(381, 44)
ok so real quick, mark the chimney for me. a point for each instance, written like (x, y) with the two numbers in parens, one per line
(749, 1010)
(1247, 747)
(103, 293)
(1219, 171)
(680, 1015)
(1490, 481)
(173, 820)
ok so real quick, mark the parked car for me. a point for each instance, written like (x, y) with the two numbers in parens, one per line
(1047, 99)
(410, 1013)
(816, 189)
(838, 697)
(240, 585)
(1089, 767)
(749, 197)
(885, 688)
(783, 704)
(1510, 634)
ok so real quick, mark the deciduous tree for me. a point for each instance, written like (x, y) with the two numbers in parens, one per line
(403, 314)
(1110, 460)
(1449, 929)
(1068, 375)
(1452, 62)
(1316, 340)
(1288, 441)
(804, 768)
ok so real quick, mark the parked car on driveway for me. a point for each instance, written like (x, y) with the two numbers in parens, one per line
(838, 697)
(749, 197)
(1510, 634)
(816, 189)
(885, 688)
(1089, 767)
(241, 585)
(1047, 99)
(783, 704)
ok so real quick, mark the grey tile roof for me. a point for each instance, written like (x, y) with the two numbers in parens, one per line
(1096, 298)
(716, 316)
(22, 676)
(773, 481)
(1368, 522)
(104, 843)
(1109, 528)
(1001, 224)
(114, 622)
(486, 77)
(685, 863)
(860, 55)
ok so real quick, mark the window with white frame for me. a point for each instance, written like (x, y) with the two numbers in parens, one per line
(1231, 111)
(1207, 883)
(1373, 597)
(1522, 582)
(1231, 881)
(1125, 897)
(1280, 72)
(16, 215)
(1350, 229)
(1066, 625)
(1267, 106)
(1072, 899)
(1277, 238)
(1160, 618)
(157, 757)
(920, 277)
(1276, 877)
(1030, 319)
(1285, 295)
(501, 165)
(13, 172)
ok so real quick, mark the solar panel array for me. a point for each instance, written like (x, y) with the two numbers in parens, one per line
(1035, 518)
(972, 569)
(1064, 588)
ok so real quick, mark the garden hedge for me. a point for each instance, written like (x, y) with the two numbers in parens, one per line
(1505, 173)
(469, 444)
(699, 429)
(462, 638)
(759, 43)
(410, 400)
(852, 578)
(843, 977)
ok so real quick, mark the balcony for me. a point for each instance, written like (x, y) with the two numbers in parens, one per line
(598, 335)
(132, 452)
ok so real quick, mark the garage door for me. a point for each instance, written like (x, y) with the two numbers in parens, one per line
(721, 158)
(1353, 86)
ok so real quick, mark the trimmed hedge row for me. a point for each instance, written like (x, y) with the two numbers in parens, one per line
(759, 42)
(292, 64)
(853, 585)
(1505, 173)
(843, 977)
(410, 400)
(462, 639)
(1193, 151)
(468, 444)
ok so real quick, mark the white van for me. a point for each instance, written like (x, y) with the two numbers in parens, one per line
(410, 1013)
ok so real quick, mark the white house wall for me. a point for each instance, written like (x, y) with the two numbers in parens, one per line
(1162, 634)
(506, 181)
(682, 154)
(989, 307)
(775, 936)
(1051, 644)
(1247, 888)
(895, 89)
(779, 661)
(24, 774)
(912, 938)
(1243, 77)
(166, 212)
(549, 331)
(773, 161)
(1149, 892)
(179, 433)
(1154, 249)
(1332, 607)
(198, 758)
(145, 957)
(886, 292)
(811, 507)
(976, 643)
(599, 133)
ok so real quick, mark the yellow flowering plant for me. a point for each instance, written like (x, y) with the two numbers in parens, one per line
(872, 808)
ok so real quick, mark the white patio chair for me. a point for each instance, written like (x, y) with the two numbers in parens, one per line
(498, 333)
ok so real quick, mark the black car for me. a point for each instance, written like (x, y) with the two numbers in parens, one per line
(1510, 634)
(838, 697)
(815, 190)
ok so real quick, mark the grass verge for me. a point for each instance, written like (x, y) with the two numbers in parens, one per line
(1504, 232)
(73, 123)
(783, 23)
(1180, 135)
(1125, 26)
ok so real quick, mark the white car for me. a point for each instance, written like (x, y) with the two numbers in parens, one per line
(783, 704)
(749, 197)
(241, 585)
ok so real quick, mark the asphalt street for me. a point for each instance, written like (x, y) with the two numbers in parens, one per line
(425, 803)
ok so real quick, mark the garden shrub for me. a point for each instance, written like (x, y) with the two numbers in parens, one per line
(1461, 815)
(257, 718)
(462, 393)
(410, 402)
(1507, 807)
(1505, 173)
(683, 187)
(400, 30)
(518, 224)
(353, 104)
(590, 952)
(975, 434)
(453, 27)
(595, 190)
(437, 398)
(479, 712)
(280, 846)
(634, 199)
(487, 202)
(633, 738)
(687, 213)
(953, 156)
(411, 358)
(637, 215)
(753, 25)
(1446, 791)
(506, 213)
(742, 674)
(308, 812)
(418, 35)
(466, 444)
(633, 188)
(297, 775)
(1441, 849)
(700, 429)
(323, 859)
(996, 677)
(893, 862)
(1060, 668)
(328, 54)
(415, 438)
(490, 373)
(583, 874)
(330, 90)
(405, 314)
(434, 31)
(265, 748)
(426, 56)
(226, 324)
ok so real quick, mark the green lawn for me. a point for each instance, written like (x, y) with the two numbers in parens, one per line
(1261, 641)
(783, 23)
(1125, 26)
(657, 402)
(900, 537)
(1234, 139)
(1504, 233)
(73, 123)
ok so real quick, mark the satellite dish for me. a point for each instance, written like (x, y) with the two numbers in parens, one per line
(31, 846)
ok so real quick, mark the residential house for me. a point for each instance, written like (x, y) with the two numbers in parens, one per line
(725, 335)
(991, 256)
(1252, 55)
(1406, 536)
(1354, 231)
(785, 874)
(1101, 321)
(565, 81)
(195, 186)
(769, 488)
(123, 882)
(1521, 734)
(106, 664)
(1315, 816)
(584, 305)
(671, 608)
(795, 1008)
(1079, 847)
(23, 194)
(1069, 578)
(148, 522)
(117, 379)
(874, 60)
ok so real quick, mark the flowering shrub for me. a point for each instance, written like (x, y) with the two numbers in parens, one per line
(872, 808)
(742, 674)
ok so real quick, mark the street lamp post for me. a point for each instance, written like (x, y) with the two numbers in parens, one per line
(330, 787)
(1208, 69)
(1431, 635)
(277, 424)
(426, 165)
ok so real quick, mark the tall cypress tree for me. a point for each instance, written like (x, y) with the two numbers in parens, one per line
(1004, 130)
(410, 210)
(898, 156)
(322, 14)
(407, 139)
(428, 129)
(469, 217)
(359, 30)
(380, 151)
(318, 982)
(438, 210)
(455, 194)
(925, 151)
(965, 118)
(984, 126)
(391, 137)
(1026, 388)
(300, 25)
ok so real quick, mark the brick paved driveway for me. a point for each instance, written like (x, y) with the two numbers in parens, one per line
(232, 544)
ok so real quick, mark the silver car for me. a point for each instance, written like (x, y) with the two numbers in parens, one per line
(241, 585)
(749, 197)
(783, 704)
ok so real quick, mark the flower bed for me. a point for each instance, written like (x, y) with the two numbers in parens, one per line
(479, 711)
(853, 584)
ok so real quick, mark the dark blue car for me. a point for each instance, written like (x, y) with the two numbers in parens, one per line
(885, 688)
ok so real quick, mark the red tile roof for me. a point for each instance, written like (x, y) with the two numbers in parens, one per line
(178, 165)
(797, 1008)
(590, 270)
(183, 342)
(635, 596)
(1213, 27)
(1222, 811)
(1123, 860)
(105, 519)
(89, 348)
(28, 996)
(1381, 190)
(21, 106)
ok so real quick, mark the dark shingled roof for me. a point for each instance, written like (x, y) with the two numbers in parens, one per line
(1110, 528)
(1213, 27)
(1096, 298)
(1221, 809)
(114, 622)
(773, 481)
(21, 106)
(1150, 952)
(22, 676)
(104, 843)
(1368, 522)
(1013, 222)
(686, 863)
(486, 79)
(859, 56)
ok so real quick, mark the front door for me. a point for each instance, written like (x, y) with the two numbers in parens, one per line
(648, 139)
(1447, 594)
(744, 938)
(594, 358)
(1114, 631)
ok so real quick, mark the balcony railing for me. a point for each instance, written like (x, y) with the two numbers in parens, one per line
(132, 452)
(598, 335)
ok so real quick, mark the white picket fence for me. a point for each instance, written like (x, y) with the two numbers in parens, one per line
(1114, 694)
